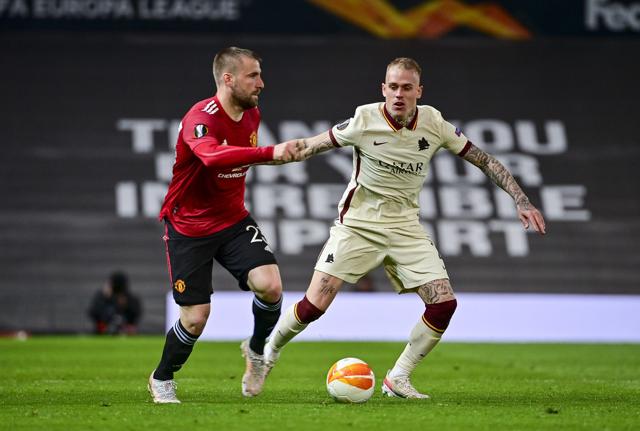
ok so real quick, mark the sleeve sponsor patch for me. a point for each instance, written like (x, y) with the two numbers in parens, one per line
(200, 130)
(343, 125)
(458, 131)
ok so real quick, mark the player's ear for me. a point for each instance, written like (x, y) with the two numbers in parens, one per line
(383, 90)
(227, 78)
(419, 92)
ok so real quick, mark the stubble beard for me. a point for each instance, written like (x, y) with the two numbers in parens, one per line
(244, 101)
(404, 120)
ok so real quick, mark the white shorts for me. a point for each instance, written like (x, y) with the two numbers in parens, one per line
(409, 256)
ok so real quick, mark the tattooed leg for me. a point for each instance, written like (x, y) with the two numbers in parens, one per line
(323, 289)
(436, 291)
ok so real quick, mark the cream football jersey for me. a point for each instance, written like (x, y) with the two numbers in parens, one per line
(390, 163)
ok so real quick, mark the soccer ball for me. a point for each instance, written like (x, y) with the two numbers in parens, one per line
(350, 380)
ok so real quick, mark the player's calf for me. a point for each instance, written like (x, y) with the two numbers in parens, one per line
(265, 316)
(423, 338)
(293, 321)
(437, 316)
(306, 312)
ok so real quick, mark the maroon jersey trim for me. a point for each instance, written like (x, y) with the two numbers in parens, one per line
(466, 148)
(414, 121)
(394, 124)
(334, 141)
(347, 202)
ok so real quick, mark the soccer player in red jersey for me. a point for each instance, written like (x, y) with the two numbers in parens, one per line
(205, 219)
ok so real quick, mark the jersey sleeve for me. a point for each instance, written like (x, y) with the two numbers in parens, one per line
(197, 133)
(453, 139)
(349, 131)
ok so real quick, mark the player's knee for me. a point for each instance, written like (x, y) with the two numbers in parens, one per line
(437, 316)
(270, 291)
(195, 323)
(266, 285)
(306, 312)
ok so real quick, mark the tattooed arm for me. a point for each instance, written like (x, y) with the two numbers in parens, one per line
(297, 150)
(528, 214)
(309, 147)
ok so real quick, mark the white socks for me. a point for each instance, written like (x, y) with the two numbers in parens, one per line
(287, 328)
(421, 341)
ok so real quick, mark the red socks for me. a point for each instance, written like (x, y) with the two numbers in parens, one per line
(437, 316)
(306, 312)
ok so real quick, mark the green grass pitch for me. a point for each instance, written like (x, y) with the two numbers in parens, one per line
(89, 383)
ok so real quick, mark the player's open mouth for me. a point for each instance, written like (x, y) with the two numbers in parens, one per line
(398, 105)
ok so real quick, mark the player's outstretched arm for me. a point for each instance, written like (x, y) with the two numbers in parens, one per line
(315, 145)
(301, 149)
(528, 214)
(284, 153)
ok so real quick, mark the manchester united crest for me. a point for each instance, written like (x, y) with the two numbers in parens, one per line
(180, 286)
(253, 139)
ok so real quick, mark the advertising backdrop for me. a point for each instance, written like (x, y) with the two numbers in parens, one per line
(385, 19)
(89, 123)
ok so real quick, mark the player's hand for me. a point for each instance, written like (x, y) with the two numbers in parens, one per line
(530, 216)
(286, 151)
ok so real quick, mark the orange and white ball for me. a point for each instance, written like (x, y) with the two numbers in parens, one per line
(350, 380)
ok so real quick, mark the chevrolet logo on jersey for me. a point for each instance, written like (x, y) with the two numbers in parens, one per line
(200, 130)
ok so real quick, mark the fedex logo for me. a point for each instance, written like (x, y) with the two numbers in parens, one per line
(604, 14)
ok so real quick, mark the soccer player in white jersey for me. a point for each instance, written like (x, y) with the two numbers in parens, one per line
(378, 221)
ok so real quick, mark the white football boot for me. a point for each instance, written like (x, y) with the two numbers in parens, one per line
(270, 358)
(163, 391)
(254, 374)
(400, 387)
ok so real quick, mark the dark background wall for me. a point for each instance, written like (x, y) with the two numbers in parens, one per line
(88, 120)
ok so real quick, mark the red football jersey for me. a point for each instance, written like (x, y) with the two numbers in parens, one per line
(206, 193)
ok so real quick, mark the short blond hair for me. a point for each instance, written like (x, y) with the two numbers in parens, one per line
(407, 64)
(227, 60)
